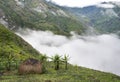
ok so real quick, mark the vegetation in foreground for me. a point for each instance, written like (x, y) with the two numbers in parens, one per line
(13, 50)
(73, 74)
(54, 74)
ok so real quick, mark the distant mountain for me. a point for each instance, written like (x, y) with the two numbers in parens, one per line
(42, 15)
(38, 15)
(104, 17)
(10, 43)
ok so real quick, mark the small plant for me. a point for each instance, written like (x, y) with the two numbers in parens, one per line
(56, 59)
(65, 60)
(7, 55)
(43, 58)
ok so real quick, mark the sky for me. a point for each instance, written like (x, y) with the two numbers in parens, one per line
(79, 3)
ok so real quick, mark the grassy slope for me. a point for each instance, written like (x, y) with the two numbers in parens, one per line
(73, 74)
(10, 42)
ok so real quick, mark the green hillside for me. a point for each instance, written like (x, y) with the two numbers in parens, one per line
(11, 44)
(72, 74)
(104, 20)
(39, 15)
(13, 48)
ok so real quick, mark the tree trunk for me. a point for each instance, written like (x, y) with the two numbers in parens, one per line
(57, 65)
(66, 67)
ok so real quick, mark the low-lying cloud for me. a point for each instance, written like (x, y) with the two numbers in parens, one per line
(101, 52)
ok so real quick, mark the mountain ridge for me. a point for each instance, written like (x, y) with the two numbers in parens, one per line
(104, 17)
(39, 15)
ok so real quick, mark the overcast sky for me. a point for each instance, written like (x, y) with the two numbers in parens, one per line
(79, 3)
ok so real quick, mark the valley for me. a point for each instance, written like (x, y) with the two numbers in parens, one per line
(72, 44)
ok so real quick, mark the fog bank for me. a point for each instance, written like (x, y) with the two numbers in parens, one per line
(101, 52)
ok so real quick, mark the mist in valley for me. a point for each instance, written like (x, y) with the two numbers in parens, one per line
(101, 52)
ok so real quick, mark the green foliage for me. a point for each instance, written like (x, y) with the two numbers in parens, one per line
(13, 48)
(56, 59)
(43, 58)
(106, 21)
(65, 60)
(28, 18)
(8, 56)
(107, 26)
(73, 74)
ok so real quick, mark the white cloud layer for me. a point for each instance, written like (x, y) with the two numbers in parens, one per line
(79, 3)
(106, 5)
(100, 52)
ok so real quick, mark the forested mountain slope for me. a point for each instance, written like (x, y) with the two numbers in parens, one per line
(104, 17)
(38, 15)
